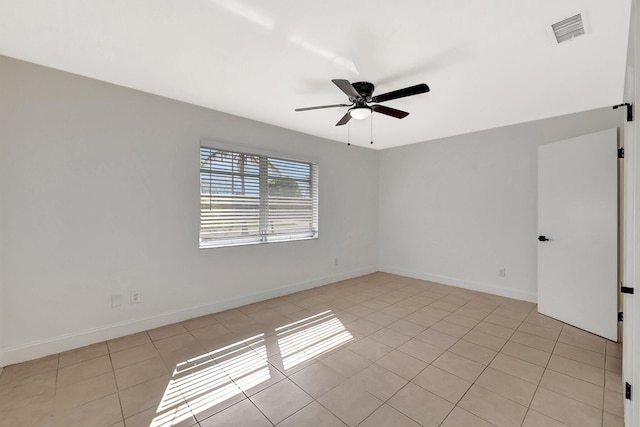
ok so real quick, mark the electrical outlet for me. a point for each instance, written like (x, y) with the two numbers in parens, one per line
(502, 272)
(135, 297)
(116, 300)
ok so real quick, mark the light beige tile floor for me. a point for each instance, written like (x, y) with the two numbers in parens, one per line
(378, 350)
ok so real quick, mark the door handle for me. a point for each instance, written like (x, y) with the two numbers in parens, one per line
(543, 238)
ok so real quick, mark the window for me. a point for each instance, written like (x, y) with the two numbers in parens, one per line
(253, 198)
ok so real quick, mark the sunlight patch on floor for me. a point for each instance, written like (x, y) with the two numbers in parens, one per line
(307, 338)
(205, 381)
(201, 383)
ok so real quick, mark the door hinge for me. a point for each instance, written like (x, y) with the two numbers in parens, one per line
(627, 391)
(626, 290)
(629, 110)
(620, 316)
(621, 153)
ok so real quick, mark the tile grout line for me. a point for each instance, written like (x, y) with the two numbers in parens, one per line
(113, 372)
(485, 368)
(543, 372)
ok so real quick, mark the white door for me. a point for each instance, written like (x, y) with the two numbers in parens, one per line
(578, 214)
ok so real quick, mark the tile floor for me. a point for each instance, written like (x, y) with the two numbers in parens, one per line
(378, 350)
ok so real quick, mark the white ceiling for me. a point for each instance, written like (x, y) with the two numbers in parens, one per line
(488, 63)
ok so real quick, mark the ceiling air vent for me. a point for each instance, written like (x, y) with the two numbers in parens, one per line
(568, 28)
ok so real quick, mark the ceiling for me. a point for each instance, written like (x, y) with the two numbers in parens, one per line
(488, 63)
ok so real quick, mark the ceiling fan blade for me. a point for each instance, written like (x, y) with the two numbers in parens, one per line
(344, 119)
(323, 106)
(401, 93)
(398, 114)
(347, 88)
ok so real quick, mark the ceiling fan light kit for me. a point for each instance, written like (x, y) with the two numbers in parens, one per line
(359, 113)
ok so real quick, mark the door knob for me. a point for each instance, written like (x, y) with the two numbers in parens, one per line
(543, 238)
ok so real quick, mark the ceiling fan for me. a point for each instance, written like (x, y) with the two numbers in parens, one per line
(360, 96)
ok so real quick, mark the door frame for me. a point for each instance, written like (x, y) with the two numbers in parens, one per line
(630, 222)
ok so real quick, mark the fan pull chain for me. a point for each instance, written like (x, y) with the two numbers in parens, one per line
(349, 133)
(371, 131)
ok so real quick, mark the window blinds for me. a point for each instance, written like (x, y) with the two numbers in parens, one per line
(249, 198)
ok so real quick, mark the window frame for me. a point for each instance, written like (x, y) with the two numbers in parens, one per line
(262, 237)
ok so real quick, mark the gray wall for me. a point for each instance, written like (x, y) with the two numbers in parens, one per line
(456, 210)
(99, 189)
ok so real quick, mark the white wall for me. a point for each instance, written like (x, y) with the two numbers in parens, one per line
(99, 190)
(456, 210)
(99, 196)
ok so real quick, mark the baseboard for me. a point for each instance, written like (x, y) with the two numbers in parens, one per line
(34, 350)
(466, 284)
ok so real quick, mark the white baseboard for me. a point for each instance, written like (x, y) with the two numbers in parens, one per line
(466, 284)
(34, 350)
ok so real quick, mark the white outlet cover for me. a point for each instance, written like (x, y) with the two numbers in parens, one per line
(135, 297)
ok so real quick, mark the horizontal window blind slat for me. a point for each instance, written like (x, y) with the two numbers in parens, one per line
(247, 198)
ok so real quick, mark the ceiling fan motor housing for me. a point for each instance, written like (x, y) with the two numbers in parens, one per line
(365, 89)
